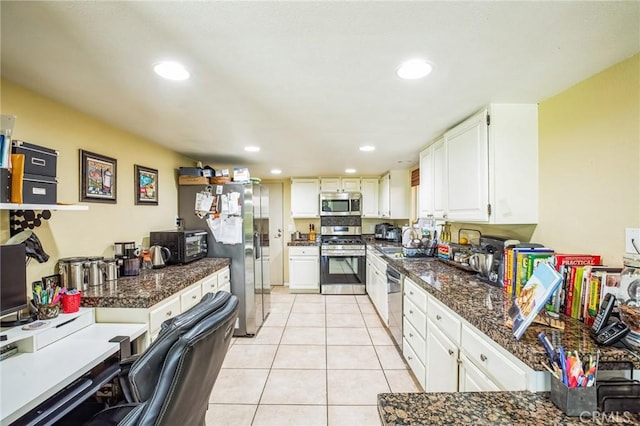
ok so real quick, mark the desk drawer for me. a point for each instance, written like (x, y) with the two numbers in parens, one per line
(304, 251)
(414, 293)
(61, 328)
(489, 359)
(165, 311)
(447, 321)
(416, 317)
(190, 297)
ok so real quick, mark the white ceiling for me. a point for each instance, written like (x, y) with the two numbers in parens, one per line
(309, 82)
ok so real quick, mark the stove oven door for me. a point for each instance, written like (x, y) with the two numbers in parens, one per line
(342, 272)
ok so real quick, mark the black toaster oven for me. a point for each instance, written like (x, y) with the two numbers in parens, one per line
(185, 246)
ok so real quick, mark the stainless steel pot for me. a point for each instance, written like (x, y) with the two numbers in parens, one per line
(71, 270)
(94, 271)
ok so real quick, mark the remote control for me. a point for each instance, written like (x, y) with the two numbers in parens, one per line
(35, 325)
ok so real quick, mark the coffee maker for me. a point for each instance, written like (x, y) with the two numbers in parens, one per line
(489, 260)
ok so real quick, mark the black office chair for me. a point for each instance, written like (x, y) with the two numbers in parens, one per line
(173, 386)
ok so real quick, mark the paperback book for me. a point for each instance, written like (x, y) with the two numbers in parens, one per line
(533, 297)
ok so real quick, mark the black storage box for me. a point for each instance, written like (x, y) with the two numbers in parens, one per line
(38, 160)
(190, 171)
(5, 186)
(38, 189)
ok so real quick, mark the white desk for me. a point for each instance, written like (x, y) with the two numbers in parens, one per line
(28, 379)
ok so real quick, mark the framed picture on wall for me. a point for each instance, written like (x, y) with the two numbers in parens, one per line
(97, 178)
(146, 185)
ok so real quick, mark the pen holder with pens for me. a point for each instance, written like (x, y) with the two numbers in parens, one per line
(48, 311)
(71, 302)
(573, 401)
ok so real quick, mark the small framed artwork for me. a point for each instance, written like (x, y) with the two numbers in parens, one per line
(146, 185)
(97, 178)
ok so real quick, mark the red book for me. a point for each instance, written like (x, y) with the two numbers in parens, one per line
(563, 259)
(570, 287)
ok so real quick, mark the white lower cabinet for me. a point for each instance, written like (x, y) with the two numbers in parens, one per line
(377, 285)
(447, 354)
(471, 379)
(304, 269)
(442, 361)
(167, 308)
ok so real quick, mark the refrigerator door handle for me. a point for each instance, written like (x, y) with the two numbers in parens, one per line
(256, 244)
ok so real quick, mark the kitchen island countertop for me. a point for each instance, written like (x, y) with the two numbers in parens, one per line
(482, 408)
(302, 243)
(151, 286)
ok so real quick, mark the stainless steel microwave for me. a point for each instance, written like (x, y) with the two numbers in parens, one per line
(185, 246)
(340, 204)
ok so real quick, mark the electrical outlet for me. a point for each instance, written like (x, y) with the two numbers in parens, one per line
(632, 235)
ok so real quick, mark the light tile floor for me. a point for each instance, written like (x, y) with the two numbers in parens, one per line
(317, 360)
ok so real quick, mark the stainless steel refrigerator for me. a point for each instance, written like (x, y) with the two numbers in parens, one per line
(249, 274)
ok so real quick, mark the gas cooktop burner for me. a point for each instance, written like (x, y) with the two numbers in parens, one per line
(341, 240)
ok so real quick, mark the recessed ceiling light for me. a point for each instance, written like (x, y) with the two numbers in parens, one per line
(171, 71)
(414, 69)
(350, 170)
(252, 148)
(367, 148)
(276, 171)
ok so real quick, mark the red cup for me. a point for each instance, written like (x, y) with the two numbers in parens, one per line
(71, 303)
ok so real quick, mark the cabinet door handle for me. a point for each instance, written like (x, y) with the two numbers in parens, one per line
(438, 317)
(483, 357)
(194, 297)
(450, 352)
(169, 313)
(410, 334)
(410, 311)
(410, 357)
(410, 292)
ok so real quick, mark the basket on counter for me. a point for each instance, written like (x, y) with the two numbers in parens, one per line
(48, 311)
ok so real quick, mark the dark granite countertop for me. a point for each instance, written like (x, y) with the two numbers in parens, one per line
(483, 408)
(485, 307)
(151, 286)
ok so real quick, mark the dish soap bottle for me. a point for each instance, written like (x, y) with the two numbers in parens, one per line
(312, 232)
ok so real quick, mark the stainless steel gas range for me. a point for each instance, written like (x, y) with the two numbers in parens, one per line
(342, 256)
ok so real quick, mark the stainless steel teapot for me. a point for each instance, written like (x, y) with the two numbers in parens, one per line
(159, 256)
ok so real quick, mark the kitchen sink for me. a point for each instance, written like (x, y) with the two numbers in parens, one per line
(390, 251)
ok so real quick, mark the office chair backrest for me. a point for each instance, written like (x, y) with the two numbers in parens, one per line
(144, 372)
(190, 369)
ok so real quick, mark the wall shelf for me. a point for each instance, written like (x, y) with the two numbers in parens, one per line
(12, 206)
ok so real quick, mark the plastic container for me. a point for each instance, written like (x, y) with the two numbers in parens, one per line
(71, 302)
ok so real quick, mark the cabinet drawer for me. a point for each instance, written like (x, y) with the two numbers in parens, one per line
(304, 251)
(416, 317)
(417, 342)
(489, 359)
(190, 298)
(417, 295)
(165, 311)
(224, 276)
(447, 321)
(414, 362)
(209, 284)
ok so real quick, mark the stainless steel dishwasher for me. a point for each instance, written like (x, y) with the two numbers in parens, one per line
(394, 297)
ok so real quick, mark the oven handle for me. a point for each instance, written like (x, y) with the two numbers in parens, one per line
(344, 253)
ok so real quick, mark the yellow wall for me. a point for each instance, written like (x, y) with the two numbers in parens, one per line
(90, 233)
(590, 163)
(589, 158)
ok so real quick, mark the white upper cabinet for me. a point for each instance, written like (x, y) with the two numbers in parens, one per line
(369, 189)
(485, 169)
(305, 198)
(468, 170)
(340, 185)
(395, 194)
(433, 181)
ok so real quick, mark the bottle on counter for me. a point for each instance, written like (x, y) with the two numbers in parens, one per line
(312, 232)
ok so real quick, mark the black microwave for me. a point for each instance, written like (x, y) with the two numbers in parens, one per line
(340, 204)
(185, 246)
